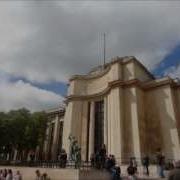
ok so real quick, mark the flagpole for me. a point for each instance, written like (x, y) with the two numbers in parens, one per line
(104, 49)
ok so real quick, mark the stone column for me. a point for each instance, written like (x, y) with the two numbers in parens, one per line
(67, 126)
(115, 118)
(105, 123)
(46, 141)
(91, 129)
(15, 155)
(109, 124)
(135, 124)
(55, 139)
(84, 130)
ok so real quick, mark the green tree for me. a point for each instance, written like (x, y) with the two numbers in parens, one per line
(21, 130)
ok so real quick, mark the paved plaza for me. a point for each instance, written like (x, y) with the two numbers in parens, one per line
(28, 173)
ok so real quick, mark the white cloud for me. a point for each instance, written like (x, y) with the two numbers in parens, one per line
(45, 41)
(15, 95)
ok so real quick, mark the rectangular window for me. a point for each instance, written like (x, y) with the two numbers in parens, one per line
(60, 138)
(99, 125)
(51, 135)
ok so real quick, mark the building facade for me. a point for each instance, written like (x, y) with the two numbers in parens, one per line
(54, 133)
(122, 106)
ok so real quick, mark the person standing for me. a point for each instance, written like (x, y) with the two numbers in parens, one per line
(38, 175)
(146, 164)
(9, 175)
(161, 164)
(17, 176)
(2, 177)
(133, 163)
(45, 177)
(131, 173)
(102, 154)
(63, 158)
(92, 159)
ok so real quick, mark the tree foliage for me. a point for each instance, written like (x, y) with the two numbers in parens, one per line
(21, 130)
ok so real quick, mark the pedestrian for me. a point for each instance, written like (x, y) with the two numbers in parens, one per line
(63, 158)
(131, 173)
(17, 176)
(146, 165)
(38, 175)
(102, 154)
(110, 162)
(2, 175)
(92, 158)
(175, 173)
(45, 177)
(9, 175)
(97, 160)
(160, 164)
(116, 173)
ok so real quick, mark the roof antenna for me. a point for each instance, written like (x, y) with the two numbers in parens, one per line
(104, 35)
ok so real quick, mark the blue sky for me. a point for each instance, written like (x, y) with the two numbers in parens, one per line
(56, 87)
(171, 60)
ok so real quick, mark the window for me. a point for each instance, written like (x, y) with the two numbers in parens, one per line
(99, 125)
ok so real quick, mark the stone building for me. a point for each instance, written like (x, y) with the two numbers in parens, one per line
(54, 133)
(122, 106)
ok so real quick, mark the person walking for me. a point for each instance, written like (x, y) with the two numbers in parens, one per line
(17, 176)
(175, 173)
(161, 164)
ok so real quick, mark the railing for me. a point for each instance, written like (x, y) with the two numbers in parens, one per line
(45, 164)
(70, 164)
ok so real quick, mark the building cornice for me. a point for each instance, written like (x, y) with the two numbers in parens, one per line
(121, 60)
(146, 86)
(91, 76)
(54, 111)
(158, 83)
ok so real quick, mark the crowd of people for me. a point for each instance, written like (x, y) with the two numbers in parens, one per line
(40, 176)
(101, 160)
(7, 174)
